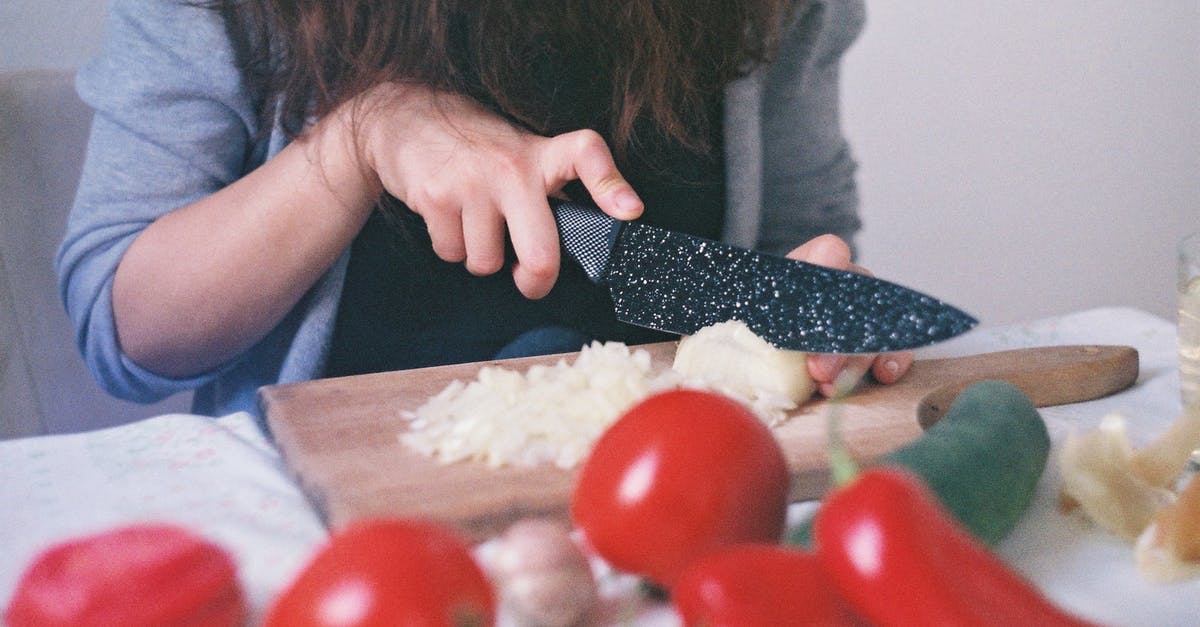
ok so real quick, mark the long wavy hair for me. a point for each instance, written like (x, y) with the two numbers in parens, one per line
(655, 62)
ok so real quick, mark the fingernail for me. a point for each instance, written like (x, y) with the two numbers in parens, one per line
(891, 366)
(628, 202)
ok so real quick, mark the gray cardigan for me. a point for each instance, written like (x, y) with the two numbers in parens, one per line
(174, 123)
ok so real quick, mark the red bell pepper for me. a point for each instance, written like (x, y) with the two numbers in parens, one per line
(900, 559)
(138, 575)
(758, 585)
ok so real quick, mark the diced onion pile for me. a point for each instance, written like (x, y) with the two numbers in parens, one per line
(548, 414)
(553, 414)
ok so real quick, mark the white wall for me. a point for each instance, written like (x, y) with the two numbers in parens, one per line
(54, 33)
(1024, 158)
(1020, 158)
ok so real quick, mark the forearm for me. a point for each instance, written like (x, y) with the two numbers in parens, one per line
(205, 282)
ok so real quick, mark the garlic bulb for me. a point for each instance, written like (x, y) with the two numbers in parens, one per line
(543, 577)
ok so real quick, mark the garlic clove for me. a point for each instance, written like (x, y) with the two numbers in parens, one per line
(544, 578)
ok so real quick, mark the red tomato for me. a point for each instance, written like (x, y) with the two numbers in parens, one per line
(758, 585)
(388, 572)
(136, 575)
(682, 473)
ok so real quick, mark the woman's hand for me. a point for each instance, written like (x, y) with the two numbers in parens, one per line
(473, 177)
(833, 252)
(242, 257)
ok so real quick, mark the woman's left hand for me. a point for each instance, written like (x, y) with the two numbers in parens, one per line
(833, 252)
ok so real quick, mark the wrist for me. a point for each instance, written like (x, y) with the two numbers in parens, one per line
(336, 150)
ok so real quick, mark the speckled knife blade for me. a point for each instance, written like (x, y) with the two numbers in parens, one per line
(680, 283)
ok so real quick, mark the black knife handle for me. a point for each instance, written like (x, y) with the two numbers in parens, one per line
(587, 235)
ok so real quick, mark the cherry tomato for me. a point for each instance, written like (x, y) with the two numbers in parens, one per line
(680, 474)
(388, 572)
(137, 575)
(758, 585)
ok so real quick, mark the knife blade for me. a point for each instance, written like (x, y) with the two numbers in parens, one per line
(680, 283)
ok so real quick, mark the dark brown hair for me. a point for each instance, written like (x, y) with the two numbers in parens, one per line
(653, 60)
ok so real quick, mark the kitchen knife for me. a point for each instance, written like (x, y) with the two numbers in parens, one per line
(680, 283)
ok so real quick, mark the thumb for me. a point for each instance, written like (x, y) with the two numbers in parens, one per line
(826, 250)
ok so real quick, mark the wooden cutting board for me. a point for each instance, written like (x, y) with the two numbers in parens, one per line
(340, 436)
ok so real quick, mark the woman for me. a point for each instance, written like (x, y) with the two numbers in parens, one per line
(276, 191)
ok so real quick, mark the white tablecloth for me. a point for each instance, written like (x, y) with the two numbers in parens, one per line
(223, 479)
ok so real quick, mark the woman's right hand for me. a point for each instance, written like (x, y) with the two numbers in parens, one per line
(475, 177)
(206, 281)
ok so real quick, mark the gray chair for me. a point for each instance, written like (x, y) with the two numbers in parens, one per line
(44, 385)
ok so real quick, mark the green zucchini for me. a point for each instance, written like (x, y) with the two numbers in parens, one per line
(983, 460)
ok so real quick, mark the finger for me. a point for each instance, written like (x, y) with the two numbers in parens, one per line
(584, 155)
(824, 367)
(483, 236)
(826, 250)
(830, 251)
(847, 378)
(890, 367)
(446, 234)
(534, 236)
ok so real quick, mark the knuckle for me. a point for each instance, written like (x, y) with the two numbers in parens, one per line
(589, 144)
(420, 200)
(510, 165)
(540, 266)
(432, 197)
(483, 265)
(453, 253)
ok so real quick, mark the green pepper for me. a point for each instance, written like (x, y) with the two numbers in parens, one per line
(982, 460)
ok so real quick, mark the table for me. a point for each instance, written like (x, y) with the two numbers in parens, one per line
(222, 478)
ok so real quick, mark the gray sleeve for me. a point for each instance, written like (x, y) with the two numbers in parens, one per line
(172, 124)
(808, 169)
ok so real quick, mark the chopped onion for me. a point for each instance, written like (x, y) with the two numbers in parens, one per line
(550, 414)
(729, 358)
(553, 414)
